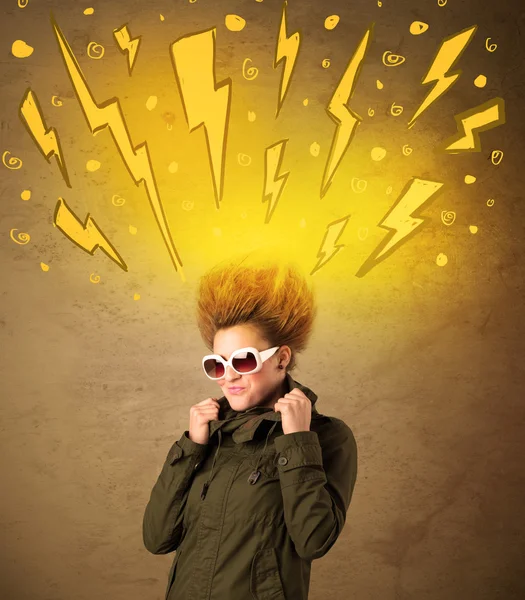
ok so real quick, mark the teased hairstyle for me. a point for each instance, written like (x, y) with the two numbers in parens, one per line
(272, 296)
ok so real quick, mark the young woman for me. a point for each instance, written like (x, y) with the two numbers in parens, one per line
(260, 484)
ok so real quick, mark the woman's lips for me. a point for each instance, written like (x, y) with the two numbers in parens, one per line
(235, 390)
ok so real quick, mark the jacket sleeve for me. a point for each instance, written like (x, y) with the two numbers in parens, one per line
(317, 482)
(162, 522)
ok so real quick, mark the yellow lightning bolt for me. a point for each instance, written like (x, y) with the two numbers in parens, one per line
(471, 122)
(205, 102)
(450, 50)
(401, 221)
(273, 184)
(338, 110)
(328, 248)
(127, 45)
(87, 235)
(109, 114)
(46, 138)
(287, 49)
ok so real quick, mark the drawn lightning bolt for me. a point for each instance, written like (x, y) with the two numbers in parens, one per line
(127, 45)
(449, 52)
(87, 235)
(472, 122)
(401, 220)
(109, 114)
(46, 138)
(329, 247)
(287, 50)
(205, 102)
(273, 182)
(339, 111)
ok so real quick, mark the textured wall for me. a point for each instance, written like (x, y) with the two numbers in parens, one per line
(422, 356)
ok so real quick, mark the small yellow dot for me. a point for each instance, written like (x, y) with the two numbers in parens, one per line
(441, 260)
(480, 81)
(25, 195)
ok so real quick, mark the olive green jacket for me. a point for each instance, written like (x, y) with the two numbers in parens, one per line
(249, 511)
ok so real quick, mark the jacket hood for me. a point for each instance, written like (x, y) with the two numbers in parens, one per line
(243, 425)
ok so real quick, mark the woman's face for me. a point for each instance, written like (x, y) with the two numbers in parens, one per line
(258, 389)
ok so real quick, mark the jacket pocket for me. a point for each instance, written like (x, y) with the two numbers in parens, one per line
(265, 579)
(172, 573)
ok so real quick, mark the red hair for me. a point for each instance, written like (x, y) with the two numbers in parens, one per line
(272, 296)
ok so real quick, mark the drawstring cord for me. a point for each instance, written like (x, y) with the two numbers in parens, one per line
(254, 476)
(207, 483)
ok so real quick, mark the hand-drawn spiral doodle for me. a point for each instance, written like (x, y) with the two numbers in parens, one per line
(442, 2)
(371, 112)
(251, 73)
(14, 162)
(22, 3)
(396, 109)
(117, 200)
(389, 190)
(187, 204)
(23, 237)
(448, 217)
(244, 159)
(55, 101)
(407, 150)
(362, 233)
(490, 202)
(358, 185)
(496, 157)
(95, 50)
(392, 60)
(94, 278)
(491, 47)
(326, 63)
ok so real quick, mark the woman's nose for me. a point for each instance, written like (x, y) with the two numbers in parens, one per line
(230, 373)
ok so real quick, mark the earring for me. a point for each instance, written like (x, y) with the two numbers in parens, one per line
(281, 367)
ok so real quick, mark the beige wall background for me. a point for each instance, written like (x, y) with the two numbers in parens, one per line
(425, 364)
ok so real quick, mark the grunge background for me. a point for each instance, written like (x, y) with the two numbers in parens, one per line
(421, 354)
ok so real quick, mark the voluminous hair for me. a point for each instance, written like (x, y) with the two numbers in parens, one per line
(265, 293)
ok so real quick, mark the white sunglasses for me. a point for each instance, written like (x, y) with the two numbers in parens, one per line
(243, 361)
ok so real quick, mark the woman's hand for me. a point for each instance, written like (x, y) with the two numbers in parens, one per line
(296, 411)
(200, 415)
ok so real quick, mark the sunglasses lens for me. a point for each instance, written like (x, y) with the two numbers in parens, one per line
(244, 362)
(214, 368)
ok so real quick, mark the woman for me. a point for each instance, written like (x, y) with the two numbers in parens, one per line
(260, 483)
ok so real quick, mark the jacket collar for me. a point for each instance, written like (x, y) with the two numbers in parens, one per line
(243, 424)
